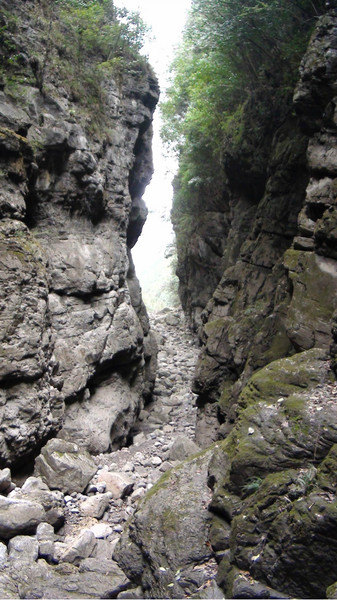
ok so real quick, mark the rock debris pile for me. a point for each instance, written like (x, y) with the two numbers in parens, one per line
(60, 528)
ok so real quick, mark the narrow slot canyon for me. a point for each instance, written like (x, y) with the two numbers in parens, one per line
(168, 313)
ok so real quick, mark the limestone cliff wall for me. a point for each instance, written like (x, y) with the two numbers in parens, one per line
(77, 353)
(276, 294)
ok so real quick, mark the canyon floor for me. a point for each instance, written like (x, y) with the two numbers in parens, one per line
(163, 436)
(76, 561)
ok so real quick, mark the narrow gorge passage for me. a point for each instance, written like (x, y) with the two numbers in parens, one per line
(163, 437)
(116, 481)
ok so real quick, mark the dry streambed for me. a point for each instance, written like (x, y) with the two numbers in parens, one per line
(60, 528)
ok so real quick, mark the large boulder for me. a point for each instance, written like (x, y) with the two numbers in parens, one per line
(118, 484)
(79, 548)
(19, 517)
(275, 485)
(23, 548)
(35, 490)
(95, 506)
(168, 535)
(65, 466)
(103, 420)
(182, 448)
(93, 579)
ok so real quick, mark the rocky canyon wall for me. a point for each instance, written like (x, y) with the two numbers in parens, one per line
(266, 390)
(77, 353)
(277, 292)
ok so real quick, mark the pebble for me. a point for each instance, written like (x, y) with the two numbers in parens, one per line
(101, 530)
(101, 487)
(128, 467)
(137, 494)
(165, 466)
(118, 528)
(139, 457)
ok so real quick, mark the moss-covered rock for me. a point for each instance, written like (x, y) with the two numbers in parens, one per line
(282, 426)
(331, 592)
(325, 233)
(279, 481)
(286, 376)
(283, 535)
(169, 532)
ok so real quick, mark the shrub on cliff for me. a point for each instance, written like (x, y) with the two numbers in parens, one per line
(84, 43)
(235, 70)
(98, 28)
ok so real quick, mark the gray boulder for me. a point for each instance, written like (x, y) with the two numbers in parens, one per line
(103, 420)
(182, 448)
(3, 554)
(24, 548)
(95, 506)
(101, 531)
(6, 484)
(19, 517)
(172, 319)
(34, 489)
(169, 532)
(45, 538)
(94, 579)
(80, 547)
(65, 466)
(118, 484)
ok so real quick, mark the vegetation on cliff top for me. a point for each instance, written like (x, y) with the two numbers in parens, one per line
(238, 62)
(84, 43)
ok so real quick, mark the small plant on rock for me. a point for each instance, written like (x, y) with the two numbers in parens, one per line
(252, 485)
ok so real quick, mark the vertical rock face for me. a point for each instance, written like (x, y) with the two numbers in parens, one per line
(265, 368)
(277, 292)
(77, 354)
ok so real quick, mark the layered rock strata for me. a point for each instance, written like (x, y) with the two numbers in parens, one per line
(77, 354)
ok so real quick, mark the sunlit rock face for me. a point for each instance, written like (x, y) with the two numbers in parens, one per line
(74, 332)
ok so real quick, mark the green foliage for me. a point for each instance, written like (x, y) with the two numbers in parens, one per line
(252, 485)
(94, 40)
(84, 42)
(237, 64)
(97, 28)
(8, 45)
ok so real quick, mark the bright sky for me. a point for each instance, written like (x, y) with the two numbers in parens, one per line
(167, 19)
